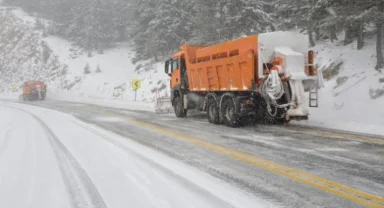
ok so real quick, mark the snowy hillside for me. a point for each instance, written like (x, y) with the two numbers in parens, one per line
(62, 65)
(113, 80)
(24, 55)
(353, 97)
(350, 100)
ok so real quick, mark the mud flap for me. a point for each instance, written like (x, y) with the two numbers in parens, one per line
(38, 88)
(298, 110)
(185, 102)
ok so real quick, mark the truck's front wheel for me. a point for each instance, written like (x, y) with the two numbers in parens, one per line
(180, 112)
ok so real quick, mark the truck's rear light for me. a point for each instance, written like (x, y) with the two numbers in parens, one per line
(311, 67)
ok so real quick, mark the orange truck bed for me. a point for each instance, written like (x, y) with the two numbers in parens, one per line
(229, 66)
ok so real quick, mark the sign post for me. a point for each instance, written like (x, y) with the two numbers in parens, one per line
(136, 84)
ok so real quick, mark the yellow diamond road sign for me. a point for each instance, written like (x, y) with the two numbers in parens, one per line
(136, 84)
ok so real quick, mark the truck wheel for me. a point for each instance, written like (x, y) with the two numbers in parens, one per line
(179, 108)
(213, 112)
(43, 96)
(230, 118)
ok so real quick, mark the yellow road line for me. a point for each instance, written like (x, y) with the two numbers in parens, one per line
(350, 193)
(358, 196)
(339, 135)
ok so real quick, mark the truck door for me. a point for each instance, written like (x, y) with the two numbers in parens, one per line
(183, 74)
(175, 73)
(26, 89)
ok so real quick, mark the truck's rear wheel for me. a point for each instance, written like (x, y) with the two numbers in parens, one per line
(43, 95)
(228, 110)
(180, 112)
(213, 112)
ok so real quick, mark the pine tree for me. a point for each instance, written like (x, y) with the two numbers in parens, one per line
(224, 20)
(87, 69)
(379, 20)
(250, 16)
(290, 14)
(144, 14)
(169, 33)
(98, 70)
(64, 70)
(208, 22)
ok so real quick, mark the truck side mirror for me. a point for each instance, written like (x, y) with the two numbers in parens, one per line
(167, 67)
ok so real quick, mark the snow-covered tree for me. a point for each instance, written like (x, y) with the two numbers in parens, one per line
(158, 27)
(223, 20)
(87, 69)
(98, 70)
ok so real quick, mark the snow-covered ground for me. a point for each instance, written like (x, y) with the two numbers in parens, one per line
(345, 102)
(114, 80)
(50, 159)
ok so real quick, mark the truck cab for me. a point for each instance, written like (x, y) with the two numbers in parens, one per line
(177, 70)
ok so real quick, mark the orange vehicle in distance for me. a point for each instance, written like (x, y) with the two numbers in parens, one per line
(262, 76)
(34, 90)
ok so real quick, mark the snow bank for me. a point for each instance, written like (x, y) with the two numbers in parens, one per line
(345, 102)
(120, 103)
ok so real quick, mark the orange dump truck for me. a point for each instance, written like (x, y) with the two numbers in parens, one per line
(261, 76)
(34, 90)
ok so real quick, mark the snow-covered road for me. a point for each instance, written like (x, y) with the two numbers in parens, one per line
(51, 159)
(66, 154)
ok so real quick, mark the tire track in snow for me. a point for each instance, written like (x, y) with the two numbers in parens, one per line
(7, 140)
(83, 193)
(81, 188)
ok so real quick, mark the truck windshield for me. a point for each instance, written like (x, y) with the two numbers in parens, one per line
(175, 64)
